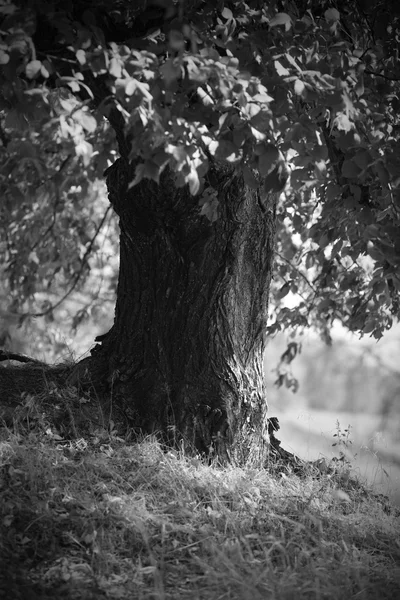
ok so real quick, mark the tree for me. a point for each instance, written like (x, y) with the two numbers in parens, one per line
(199, 112)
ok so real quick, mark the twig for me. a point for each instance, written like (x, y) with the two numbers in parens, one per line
(314, 289)
(77, 276)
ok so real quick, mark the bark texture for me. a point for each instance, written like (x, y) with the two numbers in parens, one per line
(185, 354)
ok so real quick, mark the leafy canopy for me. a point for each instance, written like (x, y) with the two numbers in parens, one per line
(266, 87)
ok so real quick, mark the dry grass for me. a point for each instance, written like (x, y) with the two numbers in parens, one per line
(101, 518)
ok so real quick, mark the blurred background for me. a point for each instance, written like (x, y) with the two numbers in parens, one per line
(341, 398)
(348, 400)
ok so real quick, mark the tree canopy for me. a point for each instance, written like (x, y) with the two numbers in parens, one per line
(271, 89)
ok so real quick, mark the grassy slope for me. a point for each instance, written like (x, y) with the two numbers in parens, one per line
(105, 519)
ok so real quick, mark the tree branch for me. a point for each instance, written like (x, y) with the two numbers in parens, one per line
(77, 276)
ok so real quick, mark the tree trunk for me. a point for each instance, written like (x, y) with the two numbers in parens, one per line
(185, 355)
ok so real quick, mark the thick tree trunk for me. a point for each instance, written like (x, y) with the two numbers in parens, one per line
(185, 355)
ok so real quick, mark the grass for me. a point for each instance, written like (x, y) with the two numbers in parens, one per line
(99, 517)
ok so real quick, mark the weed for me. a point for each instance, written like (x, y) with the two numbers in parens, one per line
(344, 444)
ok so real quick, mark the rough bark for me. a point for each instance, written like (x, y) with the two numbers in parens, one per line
(185, 355)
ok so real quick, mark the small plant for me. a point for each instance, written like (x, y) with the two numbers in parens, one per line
(344, 444)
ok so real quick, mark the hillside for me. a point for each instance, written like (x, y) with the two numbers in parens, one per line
(103, 517)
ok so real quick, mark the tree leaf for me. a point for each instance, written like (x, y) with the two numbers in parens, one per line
(249, 178)
(227, 14)
(139, 175)
(4, 57)
(280, 69)
(85, 119)
(176, 40)
(343, 122)
(285, 289)
(299, 87)
(81, 56)
(281, 19)
(33, 68)
(170, 71)
(226, 150)
(115, 68)
(152, 171)
(194, 182)
(362, 158)
(332, 15)
(267, 159)
(349, 169)
(276, 180)
(210, 209)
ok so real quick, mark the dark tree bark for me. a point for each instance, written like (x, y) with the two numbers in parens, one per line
(185, 355)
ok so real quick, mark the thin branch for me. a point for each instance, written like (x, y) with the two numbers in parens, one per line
(380, 75)
(77, 276)
(314, 289)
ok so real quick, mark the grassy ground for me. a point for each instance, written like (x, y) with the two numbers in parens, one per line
(101, 518)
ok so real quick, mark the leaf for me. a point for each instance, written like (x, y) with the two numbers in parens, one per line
(85, 150)
(139, 174)
(85, 119)
(383, 173)
(226, 150)
(4, 57)
(15, 120)
(262, 97)
(267, 160)
(320, 169)
(280, 69)
(44, 71)
(285, 289)
(324, 304)
(210, 210)
(319, 152)
(291, 60)
(310, 260)
(194, 182)
(362, 159)
(349, 169)
(26, 149)
(239, 136)
(152, 171)
(369, 326)
(343, 122)
(115, 68)
(170, 72)
(332, 15)
(33, 68)
(356, 191)
(176, 40)
(130, 86)
(249, 178)
(81, 56)
(261, 121)
(277, 179)
(281, 19)
(374, 252)
(252, 109)
(227, 14)
(74, 85)
(299, 87)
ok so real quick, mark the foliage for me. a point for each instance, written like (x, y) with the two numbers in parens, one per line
(101, 518)
(266, 88)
